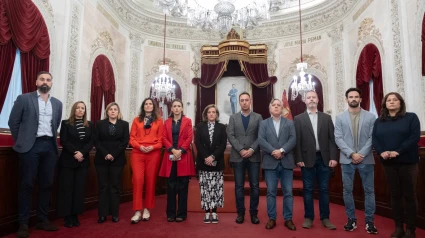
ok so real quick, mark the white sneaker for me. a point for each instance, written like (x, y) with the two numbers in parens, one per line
(207, 219)
(146, 215)
(136, 218)
(214, 218)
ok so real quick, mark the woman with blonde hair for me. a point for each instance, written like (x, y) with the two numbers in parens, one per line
(211, 140)
(111, 140)
(76, 137)
(146, 140)
(177, 164)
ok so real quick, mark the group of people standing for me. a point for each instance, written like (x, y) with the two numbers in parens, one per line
(310, 141)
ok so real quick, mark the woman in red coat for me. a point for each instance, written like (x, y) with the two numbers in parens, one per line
(146, 140)
(177, 164)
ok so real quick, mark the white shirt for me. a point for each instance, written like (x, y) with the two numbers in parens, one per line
(313, 119)
(276, 125)
(44, 117)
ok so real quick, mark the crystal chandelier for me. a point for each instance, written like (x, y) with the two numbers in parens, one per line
(303, 86)
(219, 15)
(162, 87)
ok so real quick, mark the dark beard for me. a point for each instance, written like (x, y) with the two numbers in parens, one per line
(353, 106)
(43, 88)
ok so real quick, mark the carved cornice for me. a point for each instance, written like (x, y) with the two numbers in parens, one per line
(104, 40)
(136, 41)
(72, 55)
(312, 21)
(398, 61)
(367, 28)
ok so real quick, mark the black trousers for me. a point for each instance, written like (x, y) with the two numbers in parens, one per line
(109, 185)
(402, 180)
(71, 191)
(39, 161)
(177, 186)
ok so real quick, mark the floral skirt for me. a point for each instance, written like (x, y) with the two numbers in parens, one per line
(211, 183)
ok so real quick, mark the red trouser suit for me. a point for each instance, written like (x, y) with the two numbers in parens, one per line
(145, 166)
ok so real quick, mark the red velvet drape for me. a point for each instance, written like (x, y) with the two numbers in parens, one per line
(257, 74)
(423, 46)
(102, 86)
(298, 106)
(7, 59)
(369, 67)
(22, 26)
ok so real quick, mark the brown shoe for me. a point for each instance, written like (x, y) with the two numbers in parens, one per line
(398, 233)
(290, 225)
(46, 225)
(326, 223)
(270, 224)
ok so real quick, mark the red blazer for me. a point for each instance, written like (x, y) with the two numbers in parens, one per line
(185, 166)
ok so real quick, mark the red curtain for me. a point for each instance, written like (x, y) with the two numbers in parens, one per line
(257, 74)
(22, 26)
(102, 86)
(298, 106)
(423, 46)
(369, 67)
(7, 59)
(210, 74)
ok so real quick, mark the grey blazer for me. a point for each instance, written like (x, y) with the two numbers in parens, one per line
(344, 136)
(23, 120)
(305, 150)
(269, 141)
(241, 139)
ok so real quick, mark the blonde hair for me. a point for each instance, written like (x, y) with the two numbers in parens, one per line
(109, 106)
(205, 112)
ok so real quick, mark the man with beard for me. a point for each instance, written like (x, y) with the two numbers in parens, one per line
(353, 135)
(33, 122)
(316, 154)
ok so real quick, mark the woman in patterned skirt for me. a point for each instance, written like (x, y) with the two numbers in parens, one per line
(211, 140)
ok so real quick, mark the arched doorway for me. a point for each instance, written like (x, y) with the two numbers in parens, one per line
(369, 79)
(102, 86)
(298, 106)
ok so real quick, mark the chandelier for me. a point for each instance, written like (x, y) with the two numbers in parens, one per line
(162, 87)
(303, 86)
(219, 15)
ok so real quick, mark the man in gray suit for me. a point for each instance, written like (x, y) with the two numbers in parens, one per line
(277, 139)
(353, 135)
(33, 122)
(315, 153)
(242, 133)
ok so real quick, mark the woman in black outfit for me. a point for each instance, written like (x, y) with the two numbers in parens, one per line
(211, 141)
(76, 137)
(111, 140)
(395, 137)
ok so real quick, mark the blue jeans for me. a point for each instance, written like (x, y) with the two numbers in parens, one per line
(239, 169)
(366, 172)
(272, 178)
(322, 172)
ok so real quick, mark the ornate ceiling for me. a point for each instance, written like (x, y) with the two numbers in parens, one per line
(141, 16)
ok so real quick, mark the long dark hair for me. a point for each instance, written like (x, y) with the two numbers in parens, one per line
(155, 112)
(71, 119)
(176, 100)
(385, 114)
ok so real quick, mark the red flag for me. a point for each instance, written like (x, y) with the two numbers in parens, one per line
(286, 109)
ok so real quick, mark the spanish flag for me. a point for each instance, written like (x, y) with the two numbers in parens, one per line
(286, 113)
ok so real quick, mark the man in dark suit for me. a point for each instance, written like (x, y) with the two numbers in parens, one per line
(276, 138)
(33, 122)
(242, 133)
(315, 153)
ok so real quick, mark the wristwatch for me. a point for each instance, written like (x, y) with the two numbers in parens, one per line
(282, 150)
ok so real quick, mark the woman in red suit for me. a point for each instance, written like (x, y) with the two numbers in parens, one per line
(146, 140)
(177, 164)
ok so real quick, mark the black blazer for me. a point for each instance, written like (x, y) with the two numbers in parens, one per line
(115, 145)
(205, 148)
(305, 149)
(70, 141)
